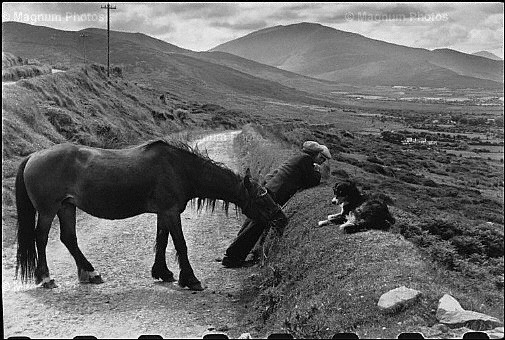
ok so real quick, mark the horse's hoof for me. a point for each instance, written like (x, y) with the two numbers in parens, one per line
(49, 284)
(96, 279)
(165, 277)
(192, 286)
(164, 274)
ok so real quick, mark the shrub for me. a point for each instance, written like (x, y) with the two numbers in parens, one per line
(430, 183)
(467, 245)
(443, 228)
(374, 159)
(340, 173)
(445, 254)
(411, 178)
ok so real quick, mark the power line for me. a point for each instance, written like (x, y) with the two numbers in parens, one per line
(109, 7)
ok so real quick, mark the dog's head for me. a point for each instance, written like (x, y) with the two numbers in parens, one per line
(344, 192)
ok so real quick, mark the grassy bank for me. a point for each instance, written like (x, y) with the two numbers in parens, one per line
(15, 68)
(26, 71)
(84, 106)
(317, 282)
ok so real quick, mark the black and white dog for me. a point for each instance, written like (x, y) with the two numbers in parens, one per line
(358, 212)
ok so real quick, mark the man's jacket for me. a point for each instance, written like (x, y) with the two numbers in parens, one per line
(295, 174)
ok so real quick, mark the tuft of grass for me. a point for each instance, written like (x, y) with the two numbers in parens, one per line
(15, 73)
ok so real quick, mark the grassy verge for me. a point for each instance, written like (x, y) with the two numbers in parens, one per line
(316, 282)
(26, 71)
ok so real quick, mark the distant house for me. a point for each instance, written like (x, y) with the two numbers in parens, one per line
(408, 140)
(424, 141)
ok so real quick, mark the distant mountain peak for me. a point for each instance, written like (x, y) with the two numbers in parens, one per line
(323, 52)
(487, 54)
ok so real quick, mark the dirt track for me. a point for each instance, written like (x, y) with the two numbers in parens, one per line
(130, 303)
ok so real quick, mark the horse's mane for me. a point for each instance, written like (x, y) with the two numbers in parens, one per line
(200, 202)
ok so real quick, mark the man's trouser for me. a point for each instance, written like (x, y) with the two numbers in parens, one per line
(247, 237)
(249, 234)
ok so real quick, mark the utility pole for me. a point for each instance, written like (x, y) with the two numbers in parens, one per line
(83, 36)
(109, 7)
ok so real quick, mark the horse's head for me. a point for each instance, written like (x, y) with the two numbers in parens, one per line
(260, 205)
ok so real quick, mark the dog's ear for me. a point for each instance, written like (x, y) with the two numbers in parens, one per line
(352, 184)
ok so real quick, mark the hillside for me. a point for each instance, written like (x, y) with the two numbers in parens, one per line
(326, 53)
(83, 106)
(168, 67)
(15, 68)
(315, 282)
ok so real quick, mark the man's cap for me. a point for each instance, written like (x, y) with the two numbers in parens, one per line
(315, 147)
(312, 147)
(326, 152)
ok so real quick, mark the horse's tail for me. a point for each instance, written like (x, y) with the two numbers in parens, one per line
(27, 253)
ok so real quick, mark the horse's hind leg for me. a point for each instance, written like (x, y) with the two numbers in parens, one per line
(44, 222)
(160, 269)
(68, 237)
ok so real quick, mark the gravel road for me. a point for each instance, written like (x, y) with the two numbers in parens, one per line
(130, 303)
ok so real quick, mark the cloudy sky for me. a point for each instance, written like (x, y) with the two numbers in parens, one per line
(466, 27)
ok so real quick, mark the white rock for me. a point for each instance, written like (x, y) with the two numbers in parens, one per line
(397, 298)
(451, 313)
(245, 336)
(496, 333)
(447, 304)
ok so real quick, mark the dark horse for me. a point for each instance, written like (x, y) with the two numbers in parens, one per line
(156, 177)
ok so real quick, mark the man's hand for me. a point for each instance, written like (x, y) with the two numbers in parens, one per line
(325, 171)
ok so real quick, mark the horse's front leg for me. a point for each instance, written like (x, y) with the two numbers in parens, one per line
(187, 277)
(160, 269)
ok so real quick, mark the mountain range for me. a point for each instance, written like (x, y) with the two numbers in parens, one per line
(326, 53)
(280, 60)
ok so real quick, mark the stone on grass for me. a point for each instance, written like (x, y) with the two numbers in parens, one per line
(451, 313)
(448, 304)
(397, 298)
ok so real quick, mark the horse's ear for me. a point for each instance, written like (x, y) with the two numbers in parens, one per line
(247, 178)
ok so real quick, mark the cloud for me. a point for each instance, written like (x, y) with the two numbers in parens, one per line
(252, 25)
(299, 12)
(203, 10)
(445, 36)
(200, 26)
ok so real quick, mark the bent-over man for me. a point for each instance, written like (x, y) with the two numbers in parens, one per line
(300, 172)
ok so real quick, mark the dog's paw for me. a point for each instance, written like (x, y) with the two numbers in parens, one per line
(323, 223)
